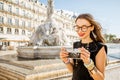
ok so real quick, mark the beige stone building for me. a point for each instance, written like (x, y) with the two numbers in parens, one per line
(19, 19)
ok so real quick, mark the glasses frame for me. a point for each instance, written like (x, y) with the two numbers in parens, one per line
(83, 28)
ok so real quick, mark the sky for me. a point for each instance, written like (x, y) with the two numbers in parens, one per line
(106, 12)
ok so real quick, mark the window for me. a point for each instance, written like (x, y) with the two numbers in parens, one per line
(16, 22)
(29, 6)
(35, 1)
(1, 19)
(1, 29)
(29, 24)
(10, 8)
(10, 21)
(1, 6)
(23, 23)
(9, 30)
(23, 13)
(22, 3)
(17, 10)
(16, 31)
(17, 1)
(23, 32)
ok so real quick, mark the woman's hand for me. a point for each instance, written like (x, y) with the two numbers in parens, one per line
(85, 55)
(64, 55)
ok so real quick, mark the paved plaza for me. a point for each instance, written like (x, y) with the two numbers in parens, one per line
(11, 68)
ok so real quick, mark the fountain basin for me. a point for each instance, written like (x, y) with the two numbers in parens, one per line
(32, 52)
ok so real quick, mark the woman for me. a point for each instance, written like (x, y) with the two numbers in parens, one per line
(92, 60)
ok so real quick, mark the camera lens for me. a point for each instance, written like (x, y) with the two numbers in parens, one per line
(77, 51)
(74, 54)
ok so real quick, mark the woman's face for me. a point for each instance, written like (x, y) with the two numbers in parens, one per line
(83, 28)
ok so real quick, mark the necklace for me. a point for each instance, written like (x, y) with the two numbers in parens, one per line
(86, 47)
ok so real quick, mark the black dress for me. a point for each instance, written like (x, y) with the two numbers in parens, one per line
(80, 72)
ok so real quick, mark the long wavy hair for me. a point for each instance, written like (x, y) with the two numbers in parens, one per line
(96, 34)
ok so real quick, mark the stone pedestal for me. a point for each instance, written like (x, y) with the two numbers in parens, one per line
(12, 68)
(46, 52)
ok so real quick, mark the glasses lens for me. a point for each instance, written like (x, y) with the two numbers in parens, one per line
(83, 28)
(76, 28)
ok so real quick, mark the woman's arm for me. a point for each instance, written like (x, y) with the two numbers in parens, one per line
(100, 65)
(70, 65)
(64, 57)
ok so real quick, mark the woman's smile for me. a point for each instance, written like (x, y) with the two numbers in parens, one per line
(81, 34)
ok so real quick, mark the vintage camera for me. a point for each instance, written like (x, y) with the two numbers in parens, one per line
(75, 53)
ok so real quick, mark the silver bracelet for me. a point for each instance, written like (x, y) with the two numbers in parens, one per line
(93, 71)
(90, 66)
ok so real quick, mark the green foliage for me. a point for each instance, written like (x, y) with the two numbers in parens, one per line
(109, 37)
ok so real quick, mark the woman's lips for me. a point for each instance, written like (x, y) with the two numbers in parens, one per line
(81, 34)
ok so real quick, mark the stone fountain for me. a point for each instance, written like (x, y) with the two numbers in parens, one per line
(47, 40)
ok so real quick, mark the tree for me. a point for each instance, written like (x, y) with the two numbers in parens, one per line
(109, 37)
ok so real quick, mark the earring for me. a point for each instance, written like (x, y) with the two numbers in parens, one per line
(93, 34)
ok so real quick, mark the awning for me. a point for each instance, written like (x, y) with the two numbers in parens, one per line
(15, 39)
(10, 40)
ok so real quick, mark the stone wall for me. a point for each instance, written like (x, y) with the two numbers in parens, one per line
(113, 72)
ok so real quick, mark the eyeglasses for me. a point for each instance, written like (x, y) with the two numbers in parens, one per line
(83, 28)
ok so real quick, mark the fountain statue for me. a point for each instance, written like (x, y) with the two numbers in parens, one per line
(47, 39)
(49, 33)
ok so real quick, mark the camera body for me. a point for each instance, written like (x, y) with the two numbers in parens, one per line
(74, 54)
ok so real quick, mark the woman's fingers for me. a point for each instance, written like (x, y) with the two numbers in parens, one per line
(82, 57)
(63, 53)
(63, 49)
(85, 55)
(85, 52)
